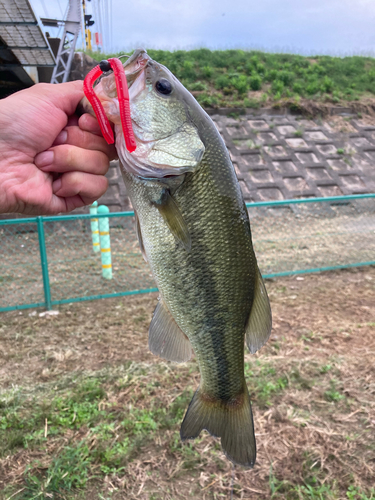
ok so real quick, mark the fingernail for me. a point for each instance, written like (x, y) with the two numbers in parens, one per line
(56, 185)
(44, 159)
(62, 137)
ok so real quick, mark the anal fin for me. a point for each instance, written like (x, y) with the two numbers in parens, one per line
(259, 324)
(165, 337)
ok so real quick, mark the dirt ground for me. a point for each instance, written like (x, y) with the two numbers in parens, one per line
(314, 415)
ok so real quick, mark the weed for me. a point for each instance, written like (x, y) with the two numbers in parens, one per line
(235, 72)
(241, 84)
(251, 103)
(340, 151)
(255, 82)
(265, 383)
(198, 86)
(356, 493)
(277, 88)
(333, 395)
(222, 82)
(208, 71)
(321, 492)
(67, 471)
(325, 368)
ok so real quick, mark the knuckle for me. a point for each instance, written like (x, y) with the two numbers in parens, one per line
(102, 162)
(69, 156)
(103, 185)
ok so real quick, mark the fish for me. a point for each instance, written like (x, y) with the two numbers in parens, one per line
(194, 231)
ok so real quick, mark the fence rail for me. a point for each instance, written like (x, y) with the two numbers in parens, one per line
(47, 261)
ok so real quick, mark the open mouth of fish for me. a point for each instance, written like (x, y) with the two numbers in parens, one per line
(164, 146)
(135, 71)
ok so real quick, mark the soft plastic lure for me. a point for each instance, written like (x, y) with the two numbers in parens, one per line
(123, 99)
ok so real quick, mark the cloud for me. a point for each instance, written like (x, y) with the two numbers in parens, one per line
(323, 26)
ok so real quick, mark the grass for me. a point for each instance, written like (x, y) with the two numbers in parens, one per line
(85, 430)
(250, 79)
(104, 427)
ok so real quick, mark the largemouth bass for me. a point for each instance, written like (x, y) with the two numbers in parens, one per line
(194, 231)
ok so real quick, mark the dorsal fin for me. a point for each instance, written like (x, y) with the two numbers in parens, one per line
(259, 324)
(165, 337)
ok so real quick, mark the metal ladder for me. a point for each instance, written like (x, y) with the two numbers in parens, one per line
(72, 26)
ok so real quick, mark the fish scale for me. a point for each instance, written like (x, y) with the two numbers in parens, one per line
(194, 231)
(210, 307)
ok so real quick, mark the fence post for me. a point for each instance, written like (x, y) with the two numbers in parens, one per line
(105, 243)
(44, 263)
(95, 227)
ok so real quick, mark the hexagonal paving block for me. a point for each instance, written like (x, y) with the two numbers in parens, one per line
(307, 123)
(364, 161)
(296, 183)
(352, 181)
(238, 171)
(330, 190)
(236, 130)
(245, 190)
(253, 159)
(315, 136)
(258, 124)
(307, 157)
(227, 120)
(280, 120)
(339, 165)
(370, 155)
(362, 123)
(267, 137)
(318, 173)
(285, 167)
(360, 142)
(261, 176)
(244, 144)
(270, 194)
(275, 151)
(296, 142)
(286, 129)
(326, 149)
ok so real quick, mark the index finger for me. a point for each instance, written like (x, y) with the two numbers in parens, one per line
(88, 123)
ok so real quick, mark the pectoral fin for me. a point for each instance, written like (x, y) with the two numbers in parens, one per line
(259, 325)
(165, 337)
(139, 236)
(170, 212)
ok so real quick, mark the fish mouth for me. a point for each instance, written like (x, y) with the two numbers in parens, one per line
(135, 66)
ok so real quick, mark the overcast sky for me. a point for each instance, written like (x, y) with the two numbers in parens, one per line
(339, 27)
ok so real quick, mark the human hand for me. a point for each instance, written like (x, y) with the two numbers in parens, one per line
(51, 161)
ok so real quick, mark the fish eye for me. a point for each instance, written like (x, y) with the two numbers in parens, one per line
(163, 86)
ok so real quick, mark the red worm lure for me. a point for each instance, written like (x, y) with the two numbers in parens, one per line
(123, 99)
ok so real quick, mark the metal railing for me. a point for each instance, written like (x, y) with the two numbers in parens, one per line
(47, 261)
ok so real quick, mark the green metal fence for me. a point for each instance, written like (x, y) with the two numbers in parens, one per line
(48, 261)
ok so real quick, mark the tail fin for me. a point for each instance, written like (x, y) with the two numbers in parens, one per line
(231, 420)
